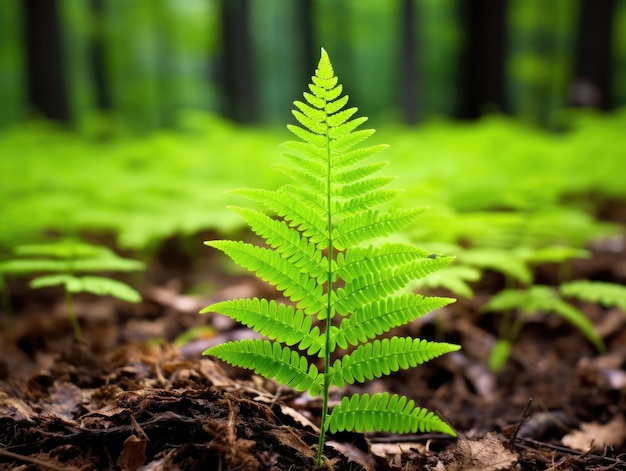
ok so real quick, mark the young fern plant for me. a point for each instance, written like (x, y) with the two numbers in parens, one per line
(325, 251)
(59, 263)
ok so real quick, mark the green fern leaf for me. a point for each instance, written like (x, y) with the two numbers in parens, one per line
(358, 260)
(382, 357)
(343, 161)
(545, 300)
(352, 174)
(97, 285)
(371, 320)
(31, 265)
(64, 249)
(271, 360)
(288, 242)
(381, 412)
(310, 223)
(359, 228)
(275, 321)
(378, 284)
(314, 255)
(357, 205)
(606, 294)
(454, 278)
(271, 267)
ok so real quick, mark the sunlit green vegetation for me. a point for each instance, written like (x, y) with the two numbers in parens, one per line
(495, 183)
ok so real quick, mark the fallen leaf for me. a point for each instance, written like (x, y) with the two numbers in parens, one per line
(354, 454)
(390, 450)
(486, 454)
(596, 436)
(133, 455)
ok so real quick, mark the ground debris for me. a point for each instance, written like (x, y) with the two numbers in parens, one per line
(486, 454)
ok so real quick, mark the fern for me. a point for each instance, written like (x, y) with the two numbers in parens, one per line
(536, 299)
(607, 294)
(62, 261)
(345, 289)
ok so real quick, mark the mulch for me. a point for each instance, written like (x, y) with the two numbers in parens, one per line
(128, 399)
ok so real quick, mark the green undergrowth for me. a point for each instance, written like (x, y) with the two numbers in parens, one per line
(484, 180)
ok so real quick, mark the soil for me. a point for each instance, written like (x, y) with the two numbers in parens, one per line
(128, 399)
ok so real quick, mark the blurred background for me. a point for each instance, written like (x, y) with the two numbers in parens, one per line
(140, 62)
(132, 118)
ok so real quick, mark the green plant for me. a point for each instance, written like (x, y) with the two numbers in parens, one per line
(535, 299)
(606, 294)
(62, 260)
(346, 290)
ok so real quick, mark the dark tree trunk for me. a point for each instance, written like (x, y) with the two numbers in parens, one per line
(408, 66)
(98, 60)
(592, 72)
(483, 59)
(237, 70)
(309, 49)
(46, 77)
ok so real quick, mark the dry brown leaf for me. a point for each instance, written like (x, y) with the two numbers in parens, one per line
(389, 450)
(596, 436)
(354, 454)
(486, 454)
(289, 438)
(15, 408)
(133, 455)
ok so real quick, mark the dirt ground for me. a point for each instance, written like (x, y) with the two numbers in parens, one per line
(127, 399)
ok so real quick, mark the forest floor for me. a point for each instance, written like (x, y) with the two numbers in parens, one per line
(127, 399)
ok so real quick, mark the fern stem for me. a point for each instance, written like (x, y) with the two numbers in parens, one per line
(329, 304)
(72, 315)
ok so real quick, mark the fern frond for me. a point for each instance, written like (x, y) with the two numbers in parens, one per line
(343, 143)
(544, 299)
(31, 265)
(311, 224)
(358, 260)
(382, 357)
(276, 270)
(64, 249)
(362, 227)
(306, 164)
(371, 320)
(271, 361)
(454, 278)
(288, 242)
(343, 160)
(273, 320)
(321, 219)
(358, 205)
(606, 294)
(305, 178)
(372, 286)
(354, 174)
(362, 187)
(89, 284)
(381, 412)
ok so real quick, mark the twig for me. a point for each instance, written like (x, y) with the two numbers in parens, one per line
(522, 420)
(35, 461)
(571, 451)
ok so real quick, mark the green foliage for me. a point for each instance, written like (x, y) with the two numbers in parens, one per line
(346, 288)
(606, 294)
(62, 261)
(535, 299)
(154, 187)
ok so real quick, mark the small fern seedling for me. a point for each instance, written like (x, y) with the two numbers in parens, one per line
(535, 299)
(62, 261)
(325, 250)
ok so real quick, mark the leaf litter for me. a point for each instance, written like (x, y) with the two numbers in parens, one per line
(127, 399)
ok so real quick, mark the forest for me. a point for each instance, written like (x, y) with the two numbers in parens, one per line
(210, 260)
